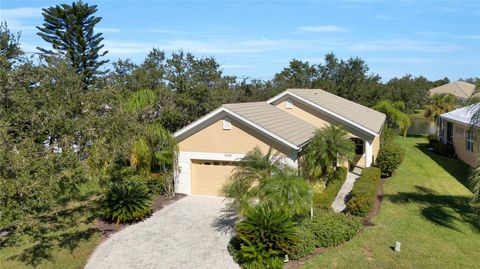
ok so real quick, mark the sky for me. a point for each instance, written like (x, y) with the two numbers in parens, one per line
(256, 39)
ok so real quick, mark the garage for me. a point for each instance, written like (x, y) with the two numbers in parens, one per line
(209, 176)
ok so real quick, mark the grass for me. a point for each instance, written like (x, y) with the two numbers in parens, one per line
(425, 207)
(62, 244)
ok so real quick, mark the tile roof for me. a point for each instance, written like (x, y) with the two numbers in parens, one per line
(458, 88)
(275, 120)
(359, 114)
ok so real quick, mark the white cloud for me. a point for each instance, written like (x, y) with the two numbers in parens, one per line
(107, 30)
(402, 45)
(164, 31)
(16, 18)
(477, 37)
(323, 29)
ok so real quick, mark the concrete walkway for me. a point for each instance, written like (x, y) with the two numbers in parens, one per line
(339, 203)
(190, 233)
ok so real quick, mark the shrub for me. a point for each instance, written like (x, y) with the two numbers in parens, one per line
(444, 149)
(432, 140)
(360, 206)
(305, 246)
(325, 199)
(364, 192)
(126, 202)
(264, 236)
(330, 228)
(389, 158)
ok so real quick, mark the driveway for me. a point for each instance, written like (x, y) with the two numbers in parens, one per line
(190, 233)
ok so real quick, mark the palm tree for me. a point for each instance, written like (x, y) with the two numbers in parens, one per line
(329, 147)
(155, 150)
(251, 172)
(475, 187)
(440, 103)
(289, 193)
(396, 117)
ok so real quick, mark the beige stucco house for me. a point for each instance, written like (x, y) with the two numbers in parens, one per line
(460, 89)
(210, 147)
(454, 128)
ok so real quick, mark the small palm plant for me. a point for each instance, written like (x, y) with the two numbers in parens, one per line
(266, 234)
(127, 201)
(329, 147)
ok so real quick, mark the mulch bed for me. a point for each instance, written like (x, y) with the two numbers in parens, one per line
(367, 221)
(109, 228)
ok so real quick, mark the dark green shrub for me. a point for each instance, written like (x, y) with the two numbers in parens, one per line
(360, 206)
(389, 158)
(432, 140)
(444, 149)
(330, 228)
(388, 135)
(264, 237)
(127, 201)
(364, 192)
(326, 198)
(305, 246)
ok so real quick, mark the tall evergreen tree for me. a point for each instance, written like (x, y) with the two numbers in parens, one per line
(70, 31)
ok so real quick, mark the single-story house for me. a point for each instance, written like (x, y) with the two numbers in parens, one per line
(460, 89)
(454, 128)
(210, 147)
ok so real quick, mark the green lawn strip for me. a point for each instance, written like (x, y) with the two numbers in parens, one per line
(425, 208)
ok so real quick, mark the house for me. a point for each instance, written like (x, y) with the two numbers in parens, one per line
(454, 128)
(210, 147)
(460, 89)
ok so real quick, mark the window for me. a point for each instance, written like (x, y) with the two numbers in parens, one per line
(359, 146)
(227, 125)
(469, 142)
(288, 104)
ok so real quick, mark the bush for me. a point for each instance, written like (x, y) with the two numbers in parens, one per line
(444, 149)
(432, 140)
(127, 201)
(331, 229)
(389, 158)
(264, 237)
(364, 192)
(305, 246)
(325, 199)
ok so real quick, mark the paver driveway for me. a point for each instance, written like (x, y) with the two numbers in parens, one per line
(190, 233)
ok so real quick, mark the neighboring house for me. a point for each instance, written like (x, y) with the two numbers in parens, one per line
(210, 147)
(454, 129)
(460, 89)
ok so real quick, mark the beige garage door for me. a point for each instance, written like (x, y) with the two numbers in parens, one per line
(208, 177)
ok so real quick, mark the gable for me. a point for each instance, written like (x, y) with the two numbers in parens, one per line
(239, 139)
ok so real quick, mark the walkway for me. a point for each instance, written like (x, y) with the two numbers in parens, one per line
(339, 203)
(190, 233)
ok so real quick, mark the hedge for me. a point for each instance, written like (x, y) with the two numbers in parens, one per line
(364, 192)
(389, 159)
(326, 198)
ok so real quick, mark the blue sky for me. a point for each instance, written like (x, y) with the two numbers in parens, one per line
(256, 39)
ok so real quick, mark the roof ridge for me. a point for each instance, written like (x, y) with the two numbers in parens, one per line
(458, 86)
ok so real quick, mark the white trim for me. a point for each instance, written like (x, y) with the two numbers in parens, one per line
(368, 152)
(275, 98)
(238, 117)
(183, 180)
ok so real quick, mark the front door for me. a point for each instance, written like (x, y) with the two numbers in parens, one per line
(449, 133)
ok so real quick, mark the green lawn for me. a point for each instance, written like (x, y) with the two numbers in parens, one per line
(65, 244)
(425, 208)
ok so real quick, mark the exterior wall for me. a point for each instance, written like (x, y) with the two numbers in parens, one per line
(319, 120)
(459, 142)
(214, 143)
(236, 140)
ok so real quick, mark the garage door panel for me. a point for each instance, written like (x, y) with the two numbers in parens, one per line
(208, 177)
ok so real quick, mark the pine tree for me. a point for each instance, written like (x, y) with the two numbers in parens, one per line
(70, 31)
